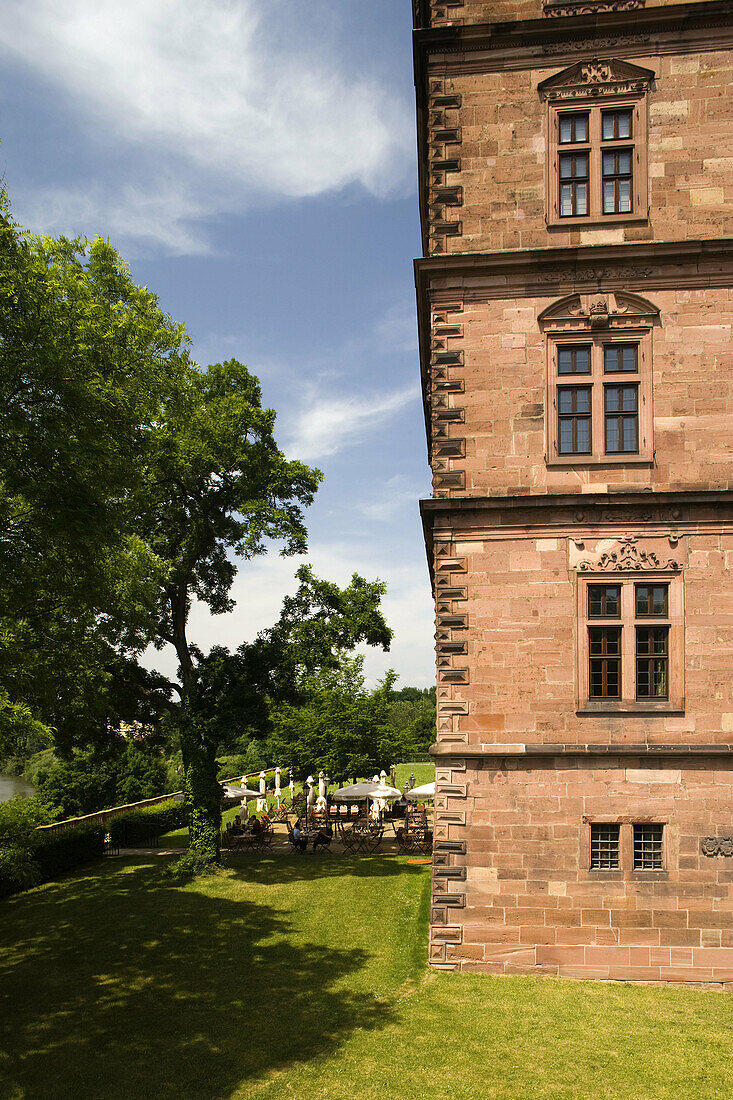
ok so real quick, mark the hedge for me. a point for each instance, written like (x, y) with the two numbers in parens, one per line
(143, 826)
(48, 854)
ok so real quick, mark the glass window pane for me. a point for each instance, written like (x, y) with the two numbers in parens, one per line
(565, 400)
(581, 128)
(629, 394)
(611, 359)
(612, 395)
(566, 437)
(629, 358)
(659, 599)
(583, 432)
(566, 133)
(609, 162)
(624, 196)
(566, 200)
(582, 360)
(624, 124)
(582, 199)
(583, 401)
(629, 434)
(609, 197)
(566, 167)
(607, 125)
(564, 361)
(624, 163)
(612, 436)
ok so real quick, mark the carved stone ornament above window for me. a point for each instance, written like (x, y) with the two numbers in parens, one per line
(588, 7)
(628, 555)
(607, 77)
(598, 311)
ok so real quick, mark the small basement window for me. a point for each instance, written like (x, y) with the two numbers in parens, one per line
(604, 847)
(648, 847)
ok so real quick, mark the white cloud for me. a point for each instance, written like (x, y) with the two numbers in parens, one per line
(261, 585)
(206, 91)
(397, 493)
(325, 424)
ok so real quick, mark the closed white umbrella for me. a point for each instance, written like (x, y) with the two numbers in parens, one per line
(262, 801)
(277, 785)
(425, 793)
(321, 784)
(291, 784)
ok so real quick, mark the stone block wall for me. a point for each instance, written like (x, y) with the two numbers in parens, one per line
(530, 904)
(489, 388)
(495, 132)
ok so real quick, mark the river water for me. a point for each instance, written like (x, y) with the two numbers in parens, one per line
(13, 784)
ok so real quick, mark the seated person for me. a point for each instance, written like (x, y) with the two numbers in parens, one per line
(323, 837)
(236, 827)
(255, 826)
(299, 840)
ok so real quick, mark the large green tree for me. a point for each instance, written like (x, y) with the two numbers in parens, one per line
(88, 361)
(216, 488)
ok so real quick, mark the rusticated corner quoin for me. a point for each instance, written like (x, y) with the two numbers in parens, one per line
(449, 848)
(446, 387)
(444, 143)
(449, 864)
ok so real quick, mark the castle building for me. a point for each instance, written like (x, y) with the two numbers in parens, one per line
(575, 301)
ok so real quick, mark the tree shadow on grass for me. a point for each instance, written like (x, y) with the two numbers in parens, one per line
(118, 983)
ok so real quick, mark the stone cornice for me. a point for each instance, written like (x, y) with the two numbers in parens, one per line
(564, 515)
(677, 28)
(642, 749)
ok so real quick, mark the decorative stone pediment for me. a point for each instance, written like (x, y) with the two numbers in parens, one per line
(629, 554)
(598, 311)
(608, 77)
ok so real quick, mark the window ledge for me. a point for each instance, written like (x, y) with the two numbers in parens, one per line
(605, 460)
(606, 709)
(583, 222)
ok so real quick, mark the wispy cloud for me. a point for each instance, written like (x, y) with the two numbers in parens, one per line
(214, 94)
(325, 424)
(397, 494)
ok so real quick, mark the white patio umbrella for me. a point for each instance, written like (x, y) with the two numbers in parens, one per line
(356, 792)
(244, 793)
(277, 785)
(425, 793)
(321, 784)
(262, 801)
(291, 785)
(385, 793)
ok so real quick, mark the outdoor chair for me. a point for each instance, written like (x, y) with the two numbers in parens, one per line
(297, 846)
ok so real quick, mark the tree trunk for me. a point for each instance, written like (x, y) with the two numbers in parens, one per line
(202, 792)
(201, 789)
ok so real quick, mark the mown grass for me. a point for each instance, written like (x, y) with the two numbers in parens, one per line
(307, 977)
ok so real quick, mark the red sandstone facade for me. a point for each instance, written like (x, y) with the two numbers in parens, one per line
(575, 303)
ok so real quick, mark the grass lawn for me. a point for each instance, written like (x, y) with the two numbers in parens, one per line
(306, 977)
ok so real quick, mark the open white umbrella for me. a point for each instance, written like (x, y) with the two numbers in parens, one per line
(422, 794)
(231, 791)
(357, 792)
(385, 793)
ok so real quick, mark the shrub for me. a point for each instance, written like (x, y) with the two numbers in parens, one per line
(191, 865)
(145, 824)
(18, 870)
(19, 817)
(60, 850)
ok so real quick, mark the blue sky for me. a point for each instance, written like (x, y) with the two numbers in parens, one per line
(254, 161)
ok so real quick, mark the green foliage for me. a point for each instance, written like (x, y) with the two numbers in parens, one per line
(88, 359)
(18, 869)
(63, 850)
(19, 818)
(96, 778)
(412, 717)
(138, 827)
(192, 864)
(340, 726)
